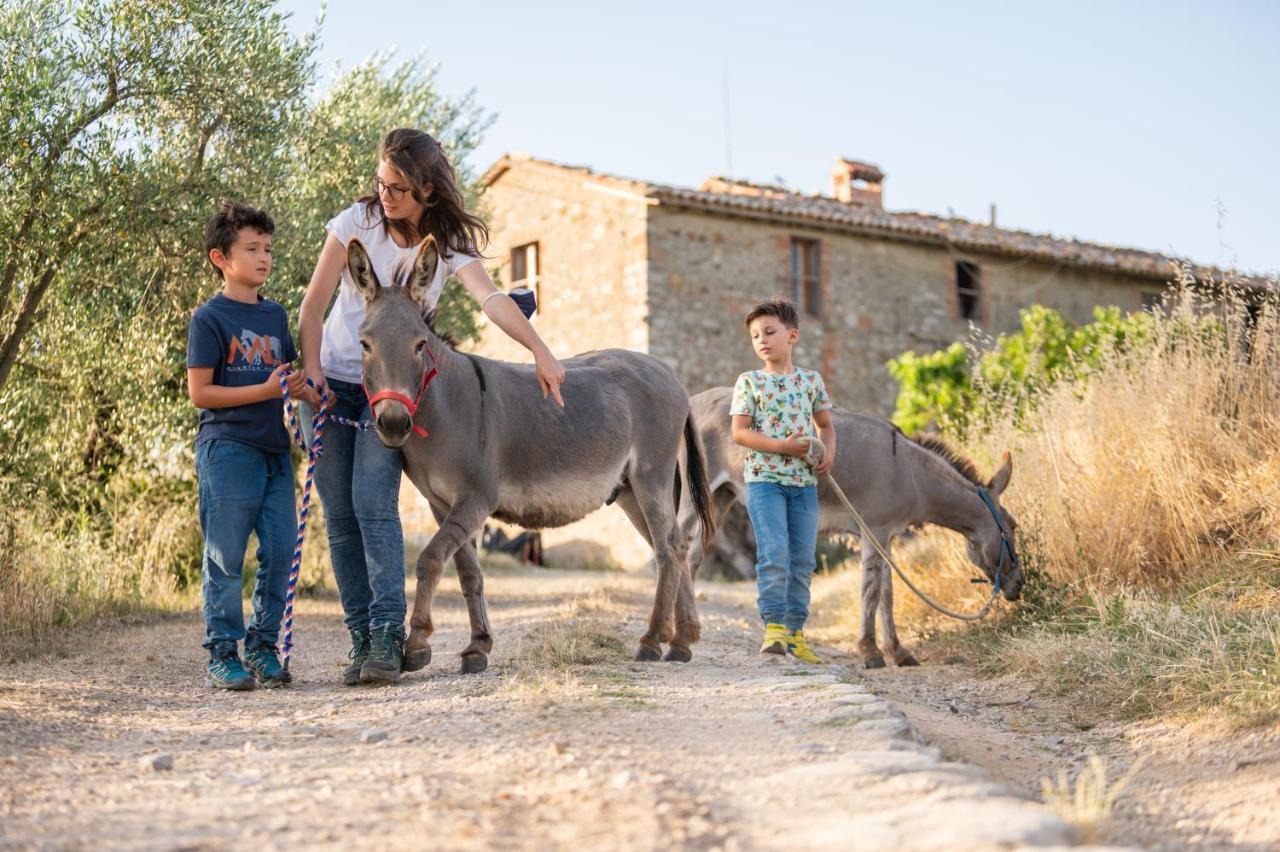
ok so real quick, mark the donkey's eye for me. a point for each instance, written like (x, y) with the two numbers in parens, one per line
(422, 344)
(364, 344)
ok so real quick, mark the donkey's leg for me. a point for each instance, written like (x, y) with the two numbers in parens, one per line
(901, 656)
(475, 655)
(686, 610)
(457, 528)
(871, 588)
(653, 494)
(626, 501)
(629, 504)
(417, 652)
(688, 628)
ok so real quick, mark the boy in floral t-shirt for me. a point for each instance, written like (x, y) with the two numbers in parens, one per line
(773, 409)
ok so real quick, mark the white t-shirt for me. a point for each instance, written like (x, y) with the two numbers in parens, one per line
(340, 346)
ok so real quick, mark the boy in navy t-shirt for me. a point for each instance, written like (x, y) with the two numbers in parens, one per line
(237, 347)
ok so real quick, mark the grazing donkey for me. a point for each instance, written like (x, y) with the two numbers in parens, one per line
(895, 483)
(489, 444)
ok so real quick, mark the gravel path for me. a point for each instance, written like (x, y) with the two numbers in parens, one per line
(118, 745)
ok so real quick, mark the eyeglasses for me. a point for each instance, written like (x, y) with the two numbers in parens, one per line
(395, 193)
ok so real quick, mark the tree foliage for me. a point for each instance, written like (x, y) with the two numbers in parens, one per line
(125, 123)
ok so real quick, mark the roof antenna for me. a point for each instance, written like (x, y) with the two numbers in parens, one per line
(728, 130)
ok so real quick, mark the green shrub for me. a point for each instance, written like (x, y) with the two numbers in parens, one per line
(956, 388)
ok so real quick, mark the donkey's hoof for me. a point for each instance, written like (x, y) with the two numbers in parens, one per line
(906, 660)
(676, 654)
(415, 660)
(876, 662)
(474, 663)
(648, 654)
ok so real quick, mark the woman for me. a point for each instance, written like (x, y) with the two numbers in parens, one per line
(415, 193)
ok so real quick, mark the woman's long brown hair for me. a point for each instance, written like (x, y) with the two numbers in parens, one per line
(422, 161)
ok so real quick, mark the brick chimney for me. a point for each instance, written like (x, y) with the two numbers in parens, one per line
(856, 182)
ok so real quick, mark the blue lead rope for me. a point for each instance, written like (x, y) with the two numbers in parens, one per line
(312, 451)
(1006, 541)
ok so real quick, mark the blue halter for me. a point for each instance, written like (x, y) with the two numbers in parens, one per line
(1006, 540)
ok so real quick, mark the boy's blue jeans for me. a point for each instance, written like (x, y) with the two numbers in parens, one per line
(785, 521)
(359, 483)
(242, 490)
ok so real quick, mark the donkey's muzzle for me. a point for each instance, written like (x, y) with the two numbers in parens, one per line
(1012, 588)
(394, 425)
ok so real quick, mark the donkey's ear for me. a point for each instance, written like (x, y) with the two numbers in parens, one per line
(361, 270)
(424, 270)
(1000, 481)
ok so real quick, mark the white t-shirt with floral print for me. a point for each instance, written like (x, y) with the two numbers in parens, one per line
(779, 405)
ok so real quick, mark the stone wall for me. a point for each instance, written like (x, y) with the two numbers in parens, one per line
(592, 250)
(880, 298)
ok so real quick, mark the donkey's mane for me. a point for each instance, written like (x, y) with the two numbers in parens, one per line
(962, 465)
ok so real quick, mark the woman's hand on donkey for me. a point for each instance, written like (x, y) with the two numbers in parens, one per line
(550, 374)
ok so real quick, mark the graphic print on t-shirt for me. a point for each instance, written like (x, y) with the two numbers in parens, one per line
(255, 351)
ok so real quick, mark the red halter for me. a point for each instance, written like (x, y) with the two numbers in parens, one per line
(412, 404)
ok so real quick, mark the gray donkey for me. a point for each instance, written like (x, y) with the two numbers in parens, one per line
(488, 444)
(895, 483)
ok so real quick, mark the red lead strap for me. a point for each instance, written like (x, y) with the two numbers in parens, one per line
(412, 404)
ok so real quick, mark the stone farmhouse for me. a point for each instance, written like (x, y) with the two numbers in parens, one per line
(671, 271)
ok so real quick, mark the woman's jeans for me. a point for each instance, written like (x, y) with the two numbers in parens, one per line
(784, 519)
(358, 480)
(242, 490)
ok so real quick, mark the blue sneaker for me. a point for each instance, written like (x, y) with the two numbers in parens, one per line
(226, 672)
(264, 662)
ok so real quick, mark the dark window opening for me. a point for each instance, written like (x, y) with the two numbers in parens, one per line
(1152, 301)
(806, 275)
(968, 291)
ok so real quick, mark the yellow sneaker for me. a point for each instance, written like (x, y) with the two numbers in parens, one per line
(775, 639)
(799, 648)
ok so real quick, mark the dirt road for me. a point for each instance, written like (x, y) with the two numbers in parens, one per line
(731, 751)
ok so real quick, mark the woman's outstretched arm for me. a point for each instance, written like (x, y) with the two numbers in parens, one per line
(507, 316)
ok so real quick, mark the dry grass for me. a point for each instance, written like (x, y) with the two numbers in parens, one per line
(141, 554)
(935, 561)
(560, 660)
(1164, 463)
(50, 581)
(1148, 498)
(1087, 804)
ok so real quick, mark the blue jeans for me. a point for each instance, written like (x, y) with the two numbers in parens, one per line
(785, 521)
(242, 490)
(358, 480)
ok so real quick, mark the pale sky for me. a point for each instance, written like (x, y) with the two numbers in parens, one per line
(1147, 124)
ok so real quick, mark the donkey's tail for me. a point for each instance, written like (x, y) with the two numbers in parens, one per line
(699, 489)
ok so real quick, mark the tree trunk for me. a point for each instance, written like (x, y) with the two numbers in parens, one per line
(41, 184)
(26, 316)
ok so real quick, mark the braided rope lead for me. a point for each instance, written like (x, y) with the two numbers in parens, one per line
(816, 453)
(312, 451)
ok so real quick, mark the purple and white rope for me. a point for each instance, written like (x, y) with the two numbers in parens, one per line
(312, 451)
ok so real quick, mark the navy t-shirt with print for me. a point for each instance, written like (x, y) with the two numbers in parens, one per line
(243, 343)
